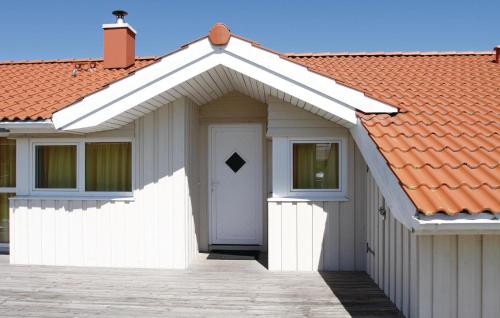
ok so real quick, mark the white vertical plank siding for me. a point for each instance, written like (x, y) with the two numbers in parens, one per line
(155, 229)
(392, 252)
(289, 236)
(491, 276)
(469, 276)
(304, 237)
(425, 276)
(444, 286)
(320, 218)
(274, 236)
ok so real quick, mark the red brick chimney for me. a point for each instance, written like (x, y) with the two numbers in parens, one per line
(497, 53)
(119, 42)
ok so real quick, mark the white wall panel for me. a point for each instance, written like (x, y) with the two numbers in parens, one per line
(155, 229)
(432, 276)
(320, 235)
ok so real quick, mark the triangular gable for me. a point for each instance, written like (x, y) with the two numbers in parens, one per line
(329, 99)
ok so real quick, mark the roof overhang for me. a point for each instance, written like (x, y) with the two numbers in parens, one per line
(26, 126)
(244, 63)
(404, 210)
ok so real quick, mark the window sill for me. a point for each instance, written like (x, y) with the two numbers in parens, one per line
(75, 198)
(307, 199)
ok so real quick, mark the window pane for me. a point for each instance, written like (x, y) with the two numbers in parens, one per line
(316, 166)
(4, 217)
(7, 163)
(55, 167)
(108, 166)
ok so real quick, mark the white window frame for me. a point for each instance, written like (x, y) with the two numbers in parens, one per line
(340, 192)
(283, 170)
(80, 166)
(33, 166)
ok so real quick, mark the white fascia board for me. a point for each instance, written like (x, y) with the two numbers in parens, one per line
(201, 56)
(141, 79)
(303, 76)
(458, 226)
(23, 127)
(398, 201)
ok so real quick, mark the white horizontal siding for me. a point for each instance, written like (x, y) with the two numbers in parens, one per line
(154, 230)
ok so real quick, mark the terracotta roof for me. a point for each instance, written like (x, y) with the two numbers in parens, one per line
(444, 144)
(33, 90)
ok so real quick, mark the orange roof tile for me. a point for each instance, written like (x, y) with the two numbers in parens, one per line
(33, 90)
(444, 144)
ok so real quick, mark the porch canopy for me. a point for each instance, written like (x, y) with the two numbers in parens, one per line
(204, 71)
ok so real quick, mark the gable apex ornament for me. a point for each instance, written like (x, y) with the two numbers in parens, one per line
(219, 34)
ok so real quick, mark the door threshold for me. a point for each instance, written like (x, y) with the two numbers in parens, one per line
(235, 247)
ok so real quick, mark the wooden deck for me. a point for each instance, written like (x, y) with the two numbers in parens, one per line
(210, 288)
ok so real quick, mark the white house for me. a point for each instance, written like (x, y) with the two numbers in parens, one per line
(387, 163)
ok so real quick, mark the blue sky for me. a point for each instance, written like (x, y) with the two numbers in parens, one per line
(64, 29)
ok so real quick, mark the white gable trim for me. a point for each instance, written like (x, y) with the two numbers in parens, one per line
(398, 201)
(239, 55)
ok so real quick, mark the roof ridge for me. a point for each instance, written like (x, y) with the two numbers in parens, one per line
(396, 53)
(69, 60)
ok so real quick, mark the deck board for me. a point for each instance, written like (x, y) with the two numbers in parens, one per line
(209, 288)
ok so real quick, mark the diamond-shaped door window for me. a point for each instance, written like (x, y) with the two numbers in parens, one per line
(235, 162)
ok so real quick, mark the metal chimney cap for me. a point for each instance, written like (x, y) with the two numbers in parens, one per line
(120, 15)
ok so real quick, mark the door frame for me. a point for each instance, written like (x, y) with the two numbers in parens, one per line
(211, 215)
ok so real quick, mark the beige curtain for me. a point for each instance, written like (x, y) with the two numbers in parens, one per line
(4, 217)
(56, 167)
(304, 166)
(315, 166)
(7, 162)
(108, 166)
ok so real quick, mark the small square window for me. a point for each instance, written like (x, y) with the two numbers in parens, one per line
(315, 166)
(55, 166)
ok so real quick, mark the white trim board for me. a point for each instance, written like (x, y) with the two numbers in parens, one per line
(200, 57)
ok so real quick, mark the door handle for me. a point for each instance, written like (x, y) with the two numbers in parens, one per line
(213, 185)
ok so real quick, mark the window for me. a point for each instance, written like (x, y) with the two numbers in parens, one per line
(108, 166)
(4, 217)
(7, 184)
(7, 163)
(315, 166)
(97, 167)
(310, 168)
(55, 166)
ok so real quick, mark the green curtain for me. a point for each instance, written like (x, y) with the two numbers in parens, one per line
(7, 162)
(56, 167)
(4, 217)
(315, 166)
(108, 166)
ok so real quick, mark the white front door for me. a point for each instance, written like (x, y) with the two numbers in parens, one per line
(235, 184)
